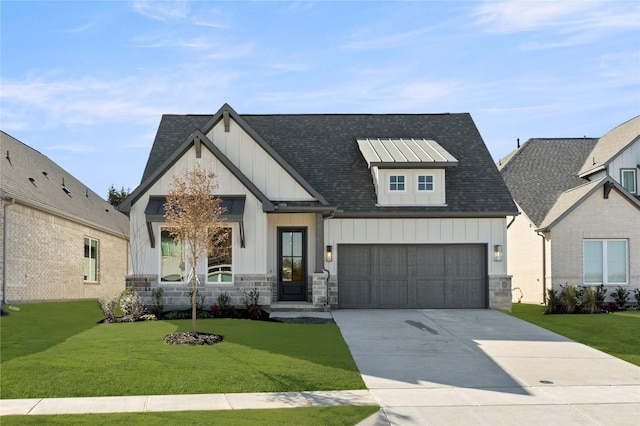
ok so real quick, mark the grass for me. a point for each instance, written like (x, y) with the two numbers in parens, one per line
(58, 350)
(307, 416)
(615, 333)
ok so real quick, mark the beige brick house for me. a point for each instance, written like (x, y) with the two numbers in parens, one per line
(60, 240)
(580, 212)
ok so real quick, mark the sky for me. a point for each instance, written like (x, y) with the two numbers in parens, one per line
(86, 82)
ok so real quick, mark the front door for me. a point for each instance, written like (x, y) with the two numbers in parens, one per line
(292, 264)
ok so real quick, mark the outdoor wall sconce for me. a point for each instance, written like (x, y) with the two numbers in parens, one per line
(329, 254)
(497, 253)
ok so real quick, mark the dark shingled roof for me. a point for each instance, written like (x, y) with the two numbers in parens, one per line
(23, 177)
(542, 169)
(322, 148)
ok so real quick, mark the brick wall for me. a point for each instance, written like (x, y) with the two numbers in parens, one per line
(45, 258)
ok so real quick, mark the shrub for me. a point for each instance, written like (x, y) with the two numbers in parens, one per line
(609, 307)
(554, 304)
(594, 298)
(108, 306)
(572, 298)
(199, 299)
(621, 296)
(131, 304)
(156, 295)
(250, 299)
(636, 295)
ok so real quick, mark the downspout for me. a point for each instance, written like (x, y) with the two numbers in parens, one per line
(8, 202)
(544, 268)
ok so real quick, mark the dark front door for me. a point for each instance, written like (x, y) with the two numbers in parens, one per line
(292, 264)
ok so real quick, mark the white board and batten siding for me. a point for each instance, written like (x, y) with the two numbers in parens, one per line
(250, 259)
(256, 164)
(489, 231)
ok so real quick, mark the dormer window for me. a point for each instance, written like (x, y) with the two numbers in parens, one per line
(425, 182)
(396, 183)
(407, 171)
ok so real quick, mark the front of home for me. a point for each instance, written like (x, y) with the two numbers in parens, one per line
(332, 211)
(580, 205)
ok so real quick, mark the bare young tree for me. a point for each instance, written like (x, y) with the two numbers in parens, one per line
(193, 218)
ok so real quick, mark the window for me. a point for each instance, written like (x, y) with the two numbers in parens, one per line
(425, 183)
(219, 264)
(396, 183)
(628, 179)
(90, 259)
(605, 262)
(171, 262)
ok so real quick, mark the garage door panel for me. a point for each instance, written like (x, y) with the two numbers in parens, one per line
(356, 295)
(393, 293)
(412, 276)
(430, 292)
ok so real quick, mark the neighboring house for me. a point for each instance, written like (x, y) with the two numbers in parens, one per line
(332, 211)
(60, 240)
(580, 205)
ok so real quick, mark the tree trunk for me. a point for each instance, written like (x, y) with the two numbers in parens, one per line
(194, 313)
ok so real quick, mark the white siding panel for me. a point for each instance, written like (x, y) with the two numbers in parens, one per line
(418, 231)
(256, 164)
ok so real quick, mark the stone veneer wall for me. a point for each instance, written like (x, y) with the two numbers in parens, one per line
(176, 295)
(500, 292)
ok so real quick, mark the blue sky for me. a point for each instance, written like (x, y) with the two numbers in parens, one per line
(86, 83)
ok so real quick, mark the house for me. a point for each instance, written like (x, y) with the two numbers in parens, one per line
(580, 212)
(332, 211)
(60, 240)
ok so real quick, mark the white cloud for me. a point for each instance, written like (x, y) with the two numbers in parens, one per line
(565, 16)
(162, 10)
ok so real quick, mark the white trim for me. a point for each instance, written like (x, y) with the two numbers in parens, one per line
(634, 179)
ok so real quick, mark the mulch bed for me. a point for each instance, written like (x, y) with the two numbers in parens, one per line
(192, 338)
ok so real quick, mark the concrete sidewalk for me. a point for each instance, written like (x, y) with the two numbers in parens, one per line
(199, 402)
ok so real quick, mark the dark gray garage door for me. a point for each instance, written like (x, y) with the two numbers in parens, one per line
(412, 276)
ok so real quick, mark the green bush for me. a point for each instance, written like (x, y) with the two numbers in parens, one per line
(594, 298)
(621, 296)
(156, 295)
(554, 303)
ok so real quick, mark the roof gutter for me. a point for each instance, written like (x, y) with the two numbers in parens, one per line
(8, 202)
(64, 215)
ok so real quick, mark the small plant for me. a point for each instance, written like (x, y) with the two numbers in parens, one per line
(594, 298)
(131, 304)
(554, 304)
(108, 306)
(621, 296)
(199, 299)
(254, 310)
(156, 295)
(636, 295)
(572, 297)
(224, 301)
(148, 317)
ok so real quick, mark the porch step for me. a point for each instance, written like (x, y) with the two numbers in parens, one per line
(297, 307)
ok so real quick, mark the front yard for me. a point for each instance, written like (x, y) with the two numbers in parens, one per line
(617, 333)
(58, 350)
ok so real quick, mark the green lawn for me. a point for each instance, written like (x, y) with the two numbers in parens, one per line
(58, 350)
(616, 334)
(307, 416)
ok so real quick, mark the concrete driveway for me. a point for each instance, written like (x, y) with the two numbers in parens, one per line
(476, 367)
